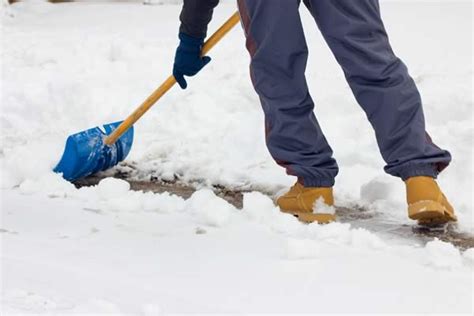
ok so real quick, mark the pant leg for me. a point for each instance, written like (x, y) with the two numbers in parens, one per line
(381, 84)
(278, 51)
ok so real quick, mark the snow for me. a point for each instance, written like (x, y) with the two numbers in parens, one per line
(110, 188)
(209, 209)
(468, 255)
(64, 257)
(377, 189)
(320, 207)
(443, 255)
(108, 249)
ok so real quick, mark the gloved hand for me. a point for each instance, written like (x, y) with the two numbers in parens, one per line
(188, 60)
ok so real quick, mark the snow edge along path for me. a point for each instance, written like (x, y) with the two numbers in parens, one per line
(109, 218)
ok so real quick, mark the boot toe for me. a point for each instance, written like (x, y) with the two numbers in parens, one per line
(430, 213)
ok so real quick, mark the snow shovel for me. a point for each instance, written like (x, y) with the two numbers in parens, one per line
(98, 149)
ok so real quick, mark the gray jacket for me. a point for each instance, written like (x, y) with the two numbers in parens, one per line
(195, 16)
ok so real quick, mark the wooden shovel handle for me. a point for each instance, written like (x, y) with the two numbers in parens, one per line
(161, 90)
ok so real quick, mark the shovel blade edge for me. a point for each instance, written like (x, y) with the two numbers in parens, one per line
(86, 153)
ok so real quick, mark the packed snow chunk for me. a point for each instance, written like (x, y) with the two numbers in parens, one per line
(363, 239)
(50, 183)
(377, 189)
(320, 207)
(115, 195)
(261, 209)
(302, 248)
(209, 209)
(110, 188)
(258, 206)
(285, 223)
(254, 201)
(444, 255)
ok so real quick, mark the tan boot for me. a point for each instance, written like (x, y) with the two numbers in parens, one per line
(302, 202)
(426, 203)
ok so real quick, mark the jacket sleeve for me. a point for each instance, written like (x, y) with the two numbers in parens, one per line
(195, 16)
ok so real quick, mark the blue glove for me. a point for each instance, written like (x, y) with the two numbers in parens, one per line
(188, 60)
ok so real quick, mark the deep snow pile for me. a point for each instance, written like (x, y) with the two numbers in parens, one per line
(69, 67)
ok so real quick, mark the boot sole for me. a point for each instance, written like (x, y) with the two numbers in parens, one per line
(307, 217)
(430, 213)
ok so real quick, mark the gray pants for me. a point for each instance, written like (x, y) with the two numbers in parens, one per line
(355, 33)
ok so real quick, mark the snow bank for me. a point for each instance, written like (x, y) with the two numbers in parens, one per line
(160, 241)
(207, 209)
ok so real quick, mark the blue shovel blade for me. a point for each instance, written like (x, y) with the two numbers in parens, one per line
(86, 153)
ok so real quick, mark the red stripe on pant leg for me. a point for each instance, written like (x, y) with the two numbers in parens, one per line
(245, 18)
(251, 45)
(440, 166)
(288, 168)
(250, 42)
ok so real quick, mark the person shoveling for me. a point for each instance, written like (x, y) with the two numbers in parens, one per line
(379, 80)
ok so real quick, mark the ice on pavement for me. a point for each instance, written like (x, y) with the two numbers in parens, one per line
(108, 249)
